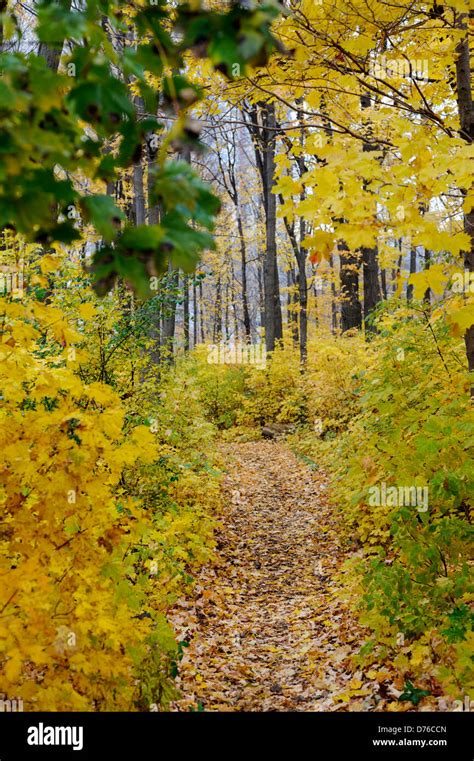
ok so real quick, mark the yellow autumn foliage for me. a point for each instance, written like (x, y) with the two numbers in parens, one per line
(87, 573)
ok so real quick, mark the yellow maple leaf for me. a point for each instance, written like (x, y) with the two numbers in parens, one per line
(87, 310)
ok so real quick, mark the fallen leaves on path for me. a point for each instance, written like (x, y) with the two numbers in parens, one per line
(267, 628)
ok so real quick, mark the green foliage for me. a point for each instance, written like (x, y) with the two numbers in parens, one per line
(412, 694)
(222, 389)
(414, 427)
(58, 124)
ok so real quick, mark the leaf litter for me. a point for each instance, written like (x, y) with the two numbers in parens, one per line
(266, 626)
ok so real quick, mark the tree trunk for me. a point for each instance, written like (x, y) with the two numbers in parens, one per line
(303, 297)
(427, 296)
(302, 255)
(201, 313)
(412, 272)
(195, 314)
(153, 219)
(186, 312)
(226, 313)
(217, 330)
(169, 311)
(351, 311)
(263, 130)
(139, 194)
(316, 298)
(233, 300)
(372, 294)
(383, 280)
(466, 120)
(370, 266)
(243, 259)
(273, 319)
(333, 298)
(261, 298)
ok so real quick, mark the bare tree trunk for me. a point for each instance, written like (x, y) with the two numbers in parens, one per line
(412, 272)
(226, 313)
(230, 181)
(243, 260)
(333, 298)
(383, 280)
(316, 300)
(153, 219)
(195, 314)
(370, 266)
(217, 330)
(186, 312)
(293, 300)
(201, 313)
(273, 326)
(233, 300)
(261, 298)
(372, 295)
(427, 296)
(263, 130)
(302, 255)
(169, 311)
(466, 120)
(138, 194)
(351, 310)
(303, 296)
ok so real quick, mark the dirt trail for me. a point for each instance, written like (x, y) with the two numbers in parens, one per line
(267, 628)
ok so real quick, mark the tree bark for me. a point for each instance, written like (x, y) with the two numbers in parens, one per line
(201, 313)
(333, 298)
(139, 194)
(383, 281)
(303, 296)
(262, 127)
(466, 120)
(195, 314)
(243, 261)
(261, 298)
(217, 330)
(427, 296)
(372, 294)
(370, 265)
(153, 219)
(302, 256)
(186, 312)
(412, 272)
(169, 312)
(230, 181)
(351, 310)
(226, 312)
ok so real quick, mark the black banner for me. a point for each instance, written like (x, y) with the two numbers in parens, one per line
(152, 735)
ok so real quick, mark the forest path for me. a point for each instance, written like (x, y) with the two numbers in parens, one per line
(267, 628)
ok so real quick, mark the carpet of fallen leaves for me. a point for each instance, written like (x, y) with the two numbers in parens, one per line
(266, 626)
